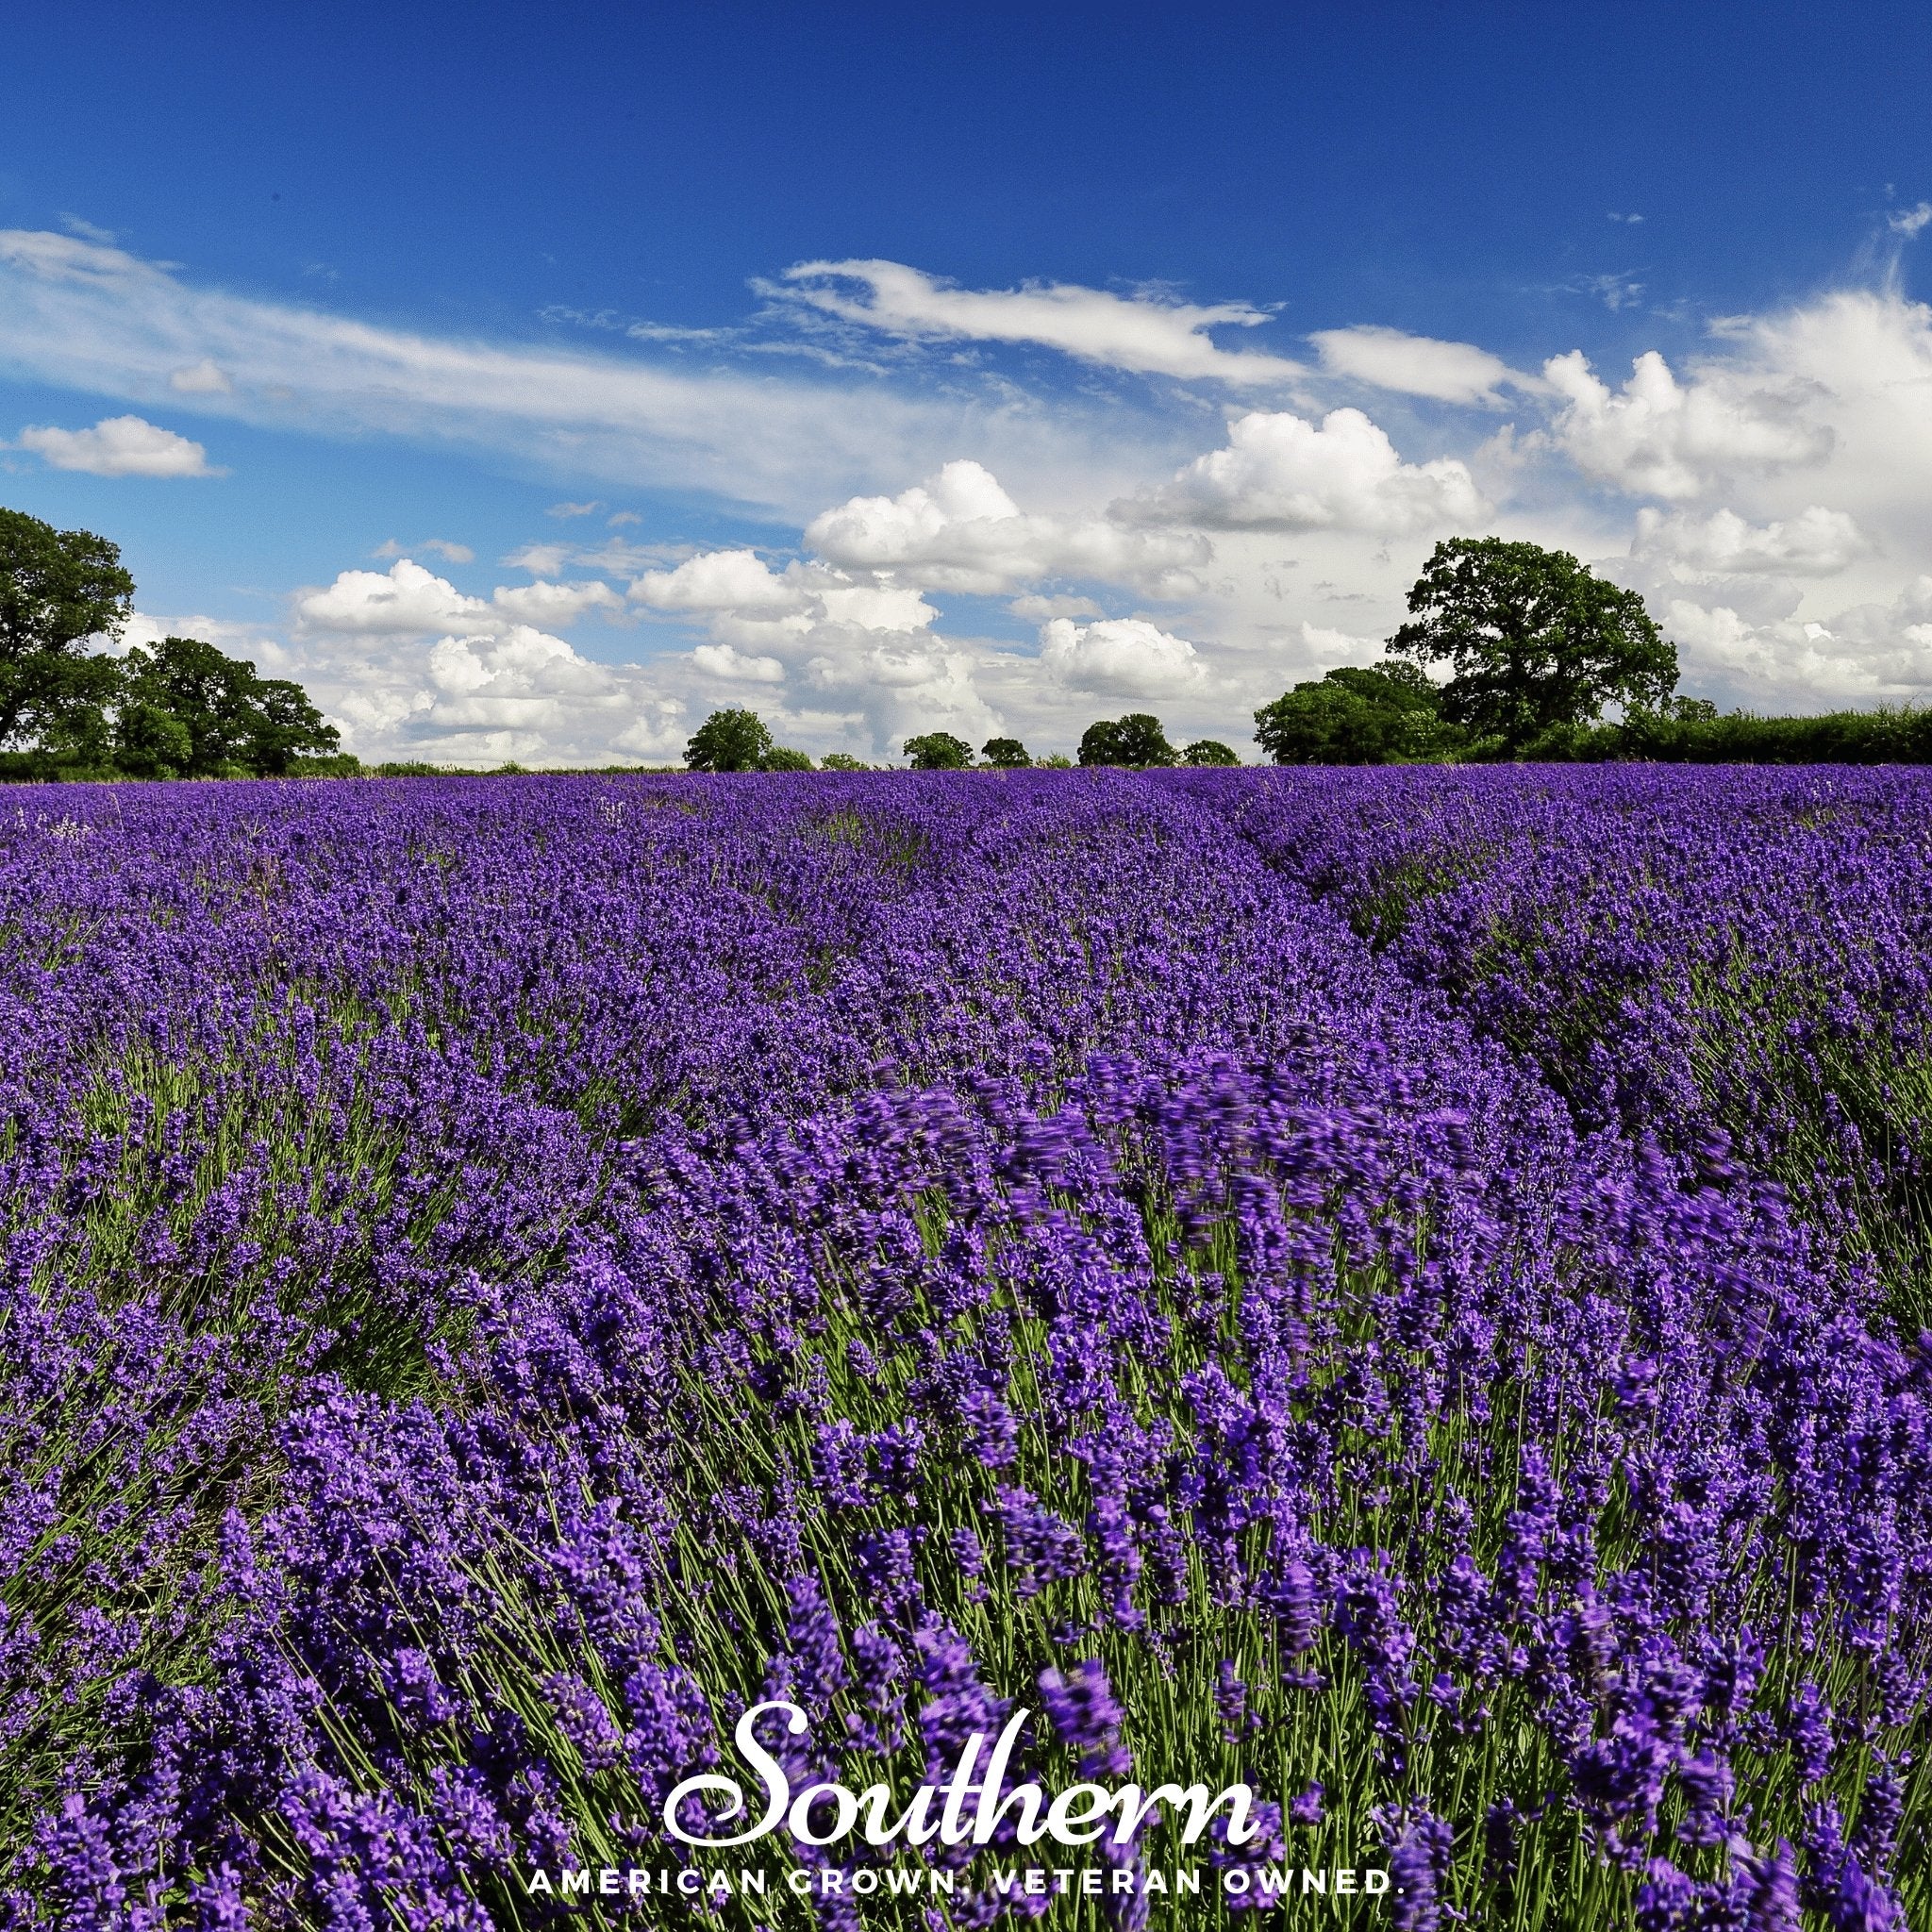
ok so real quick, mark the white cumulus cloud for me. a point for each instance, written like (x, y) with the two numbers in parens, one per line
(960, 530)
(521, 678)
(555, 604)
(744, 601)
(1658, 437)
(734, 580)
(823, 654)
(1815, 543)
(730, 662)
(119, 446)
(1857, 656)
(896, 685)
(406, 600)
(1280, 472)
(1120, 657)
(1782, 472)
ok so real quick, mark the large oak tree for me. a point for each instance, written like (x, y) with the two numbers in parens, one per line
(1536, 642)
(57, 589)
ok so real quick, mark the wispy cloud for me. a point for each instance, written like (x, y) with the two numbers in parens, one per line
(203, 379)
(1419, 365)
(433, 546)
(99, 319)
(1614, 292)
(88, 231)
(1143, 334)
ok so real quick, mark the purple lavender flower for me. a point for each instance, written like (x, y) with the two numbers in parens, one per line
(1419, 1854)
(1080, 1705)
(500, 1275)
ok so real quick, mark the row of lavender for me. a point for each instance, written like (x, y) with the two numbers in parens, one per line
(1743, 958)
(1377, 1286)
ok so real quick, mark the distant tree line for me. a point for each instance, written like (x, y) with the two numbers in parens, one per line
(180, 708)
(1538, 651)
(741, 740)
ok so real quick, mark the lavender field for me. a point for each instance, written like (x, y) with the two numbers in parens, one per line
(1407, 1289)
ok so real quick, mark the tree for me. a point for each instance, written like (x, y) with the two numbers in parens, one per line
(781, 758)
(151, 742)
(284, 727)
(57, 589)
(1358, 714)
(234, 722)
(1209, 751)
(1538, 644)
(939, 751)
(1005, 754)
(842, 761)
(1136, 739)
(730, 741)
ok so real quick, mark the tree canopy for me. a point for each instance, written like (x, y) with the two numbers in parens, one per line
(938, 751)
(57, 589)
(1536, 642)
(730, 741)
(1005, 754)
(188, 710)
(174, 709)
(1209, 751)
(1379, 714)
(1136, 740)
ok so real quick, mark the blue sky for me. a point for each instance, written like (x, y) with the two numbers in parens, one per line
(532, 384)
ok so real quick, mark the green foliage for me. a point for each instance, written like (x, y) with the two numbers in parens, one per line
(1536, 642)
(1209, 751)
(1004, 753)
(180, 709)
(1055, 762)
(938, 751)
(283, 726)
(1692, 731)
(233, 721)
(730, 741)
(842, 761)
(57, 589)
(781, 758)
(151, 742)
(1380, 714)
(1136, 740)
